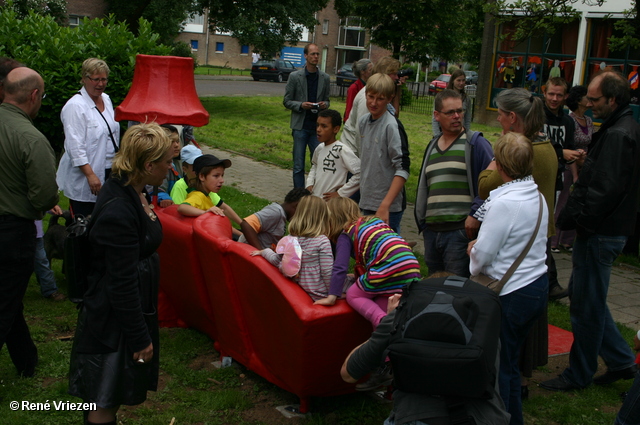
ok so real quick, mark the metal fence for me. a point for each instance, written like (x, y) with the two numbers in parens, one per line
(420, 101)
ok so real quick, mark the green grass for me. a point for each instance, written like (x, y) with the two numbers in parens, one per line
(219, 70)
(259, 127)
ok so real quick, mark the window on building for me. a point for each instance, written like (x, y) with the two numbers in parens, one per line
(75, 21)
(194, 23)
(219, 47)
(529, 63)
(244, 49)
(194, 45)
(325, 26)
(351, 33)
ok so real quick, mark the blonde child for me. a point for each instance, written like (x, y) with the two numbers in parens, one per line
(388, 264)
(310, 226)
(209, 171)
(182, 187)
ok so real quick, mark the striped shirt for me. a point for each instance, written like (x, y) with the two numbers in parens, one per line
(449, 199)
(389, 262)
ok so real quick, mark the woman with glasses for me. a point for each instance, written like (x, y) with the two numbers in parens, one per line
(577, 103)
(91, 139)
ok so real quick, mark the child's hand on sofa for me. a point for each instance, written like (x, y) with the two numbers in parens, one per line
(216, 211)
(328, 301)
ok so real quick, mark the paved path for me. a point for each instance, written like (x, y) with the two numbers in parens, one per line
(272, 183)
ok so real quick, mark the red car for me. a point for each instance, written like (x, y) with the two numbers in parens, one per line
(439, 84)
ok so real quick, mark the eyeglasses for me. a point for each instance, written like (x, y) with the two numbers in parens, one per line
(43, 93)
(98, 80)
(452, 112)
(594, 99)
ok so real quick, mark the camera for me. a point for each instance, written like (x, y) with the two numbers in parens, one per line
(315, 107)
(408, 72)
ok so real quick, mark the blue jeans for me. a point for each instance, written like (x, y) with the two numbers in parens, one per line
(629, 413)
(395, 218)
(43, 271)
(446, 251)
(520, 310)
(302, 139)
(594, 331)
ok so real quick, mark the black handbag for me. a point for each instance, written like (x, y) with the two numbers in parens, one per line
(77, 254)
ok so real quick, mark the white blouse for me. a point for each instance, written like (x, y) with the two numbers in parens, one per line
(86, 141)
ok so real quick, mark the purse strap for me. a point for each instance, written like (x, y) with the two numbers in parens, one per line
(115, 146)
(523, 254)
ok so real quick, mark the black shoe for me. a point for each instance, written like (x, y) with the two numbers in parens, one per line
(556, 292)
(524, 392)
(382, 376)
(558, 384)
(610, 377)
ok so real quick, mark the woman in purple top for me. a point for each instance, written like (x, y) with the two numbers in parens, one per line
(577, 103)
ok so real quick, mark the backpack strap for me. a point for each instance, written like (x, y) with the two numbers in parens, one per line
(471, 138)
(458, 412)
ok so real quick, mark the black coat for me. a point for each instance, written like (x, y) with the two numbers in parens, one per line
(122, 287)
(604, 197)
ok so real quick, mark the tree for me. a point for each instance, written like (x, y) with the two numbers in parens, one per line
(630, 29)
(166, 16)
(57, 9)
(264, 24)
(421, 29)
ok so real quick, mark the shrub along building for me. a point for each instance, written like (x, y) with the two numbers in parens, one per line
(576, 52)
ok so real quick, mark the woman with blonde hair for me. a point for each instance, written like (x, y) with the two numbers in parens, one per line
(114, 359)
(308, 229)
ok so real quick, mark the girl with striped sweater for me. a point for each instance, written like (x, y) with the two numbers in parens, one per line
(384, 262)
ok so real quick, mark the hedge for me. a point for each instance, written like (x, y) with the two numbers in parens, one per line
(57, 53)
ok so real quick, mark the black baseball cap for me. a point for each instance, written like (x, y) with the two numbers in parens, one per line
(209, 160)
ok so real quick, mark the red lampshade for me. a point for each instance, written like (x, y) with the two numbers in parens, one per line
(163, 91)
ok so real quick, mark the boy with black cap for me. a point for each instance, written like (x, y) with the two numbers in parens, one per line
(209, 171)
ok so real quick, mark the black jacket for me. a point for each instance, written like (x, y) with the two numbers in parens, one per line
(114, 302)
(604, 197)
(560, 130)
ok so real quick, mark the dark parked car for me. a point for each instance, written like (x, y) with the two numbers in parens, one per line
(276, 70)
(472, 77)
(345, 76)
(439, 84)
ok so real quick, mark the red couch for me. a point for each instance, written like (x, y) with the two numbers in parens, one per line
(266, 321)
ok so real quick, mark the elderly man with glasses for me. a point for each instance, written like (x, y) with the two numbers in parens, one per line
(447, 195)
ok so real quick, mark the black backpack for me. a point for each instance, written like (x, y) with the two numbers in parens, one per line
(445, 338)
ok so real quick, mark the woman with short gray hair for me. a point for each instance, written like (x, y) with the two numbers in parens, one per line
(91, 139)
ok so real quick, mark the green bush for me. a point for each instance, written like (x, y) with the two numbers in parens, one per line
(182, 49)
(57, 53)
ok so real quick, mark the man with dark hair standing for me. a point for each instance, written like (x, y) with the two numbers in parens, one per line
(6, 65)
(28, 176)
(602, 209)
(307, 92)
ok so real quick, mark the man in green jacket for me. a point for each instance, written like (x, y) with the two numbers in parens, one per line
(27, 189)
